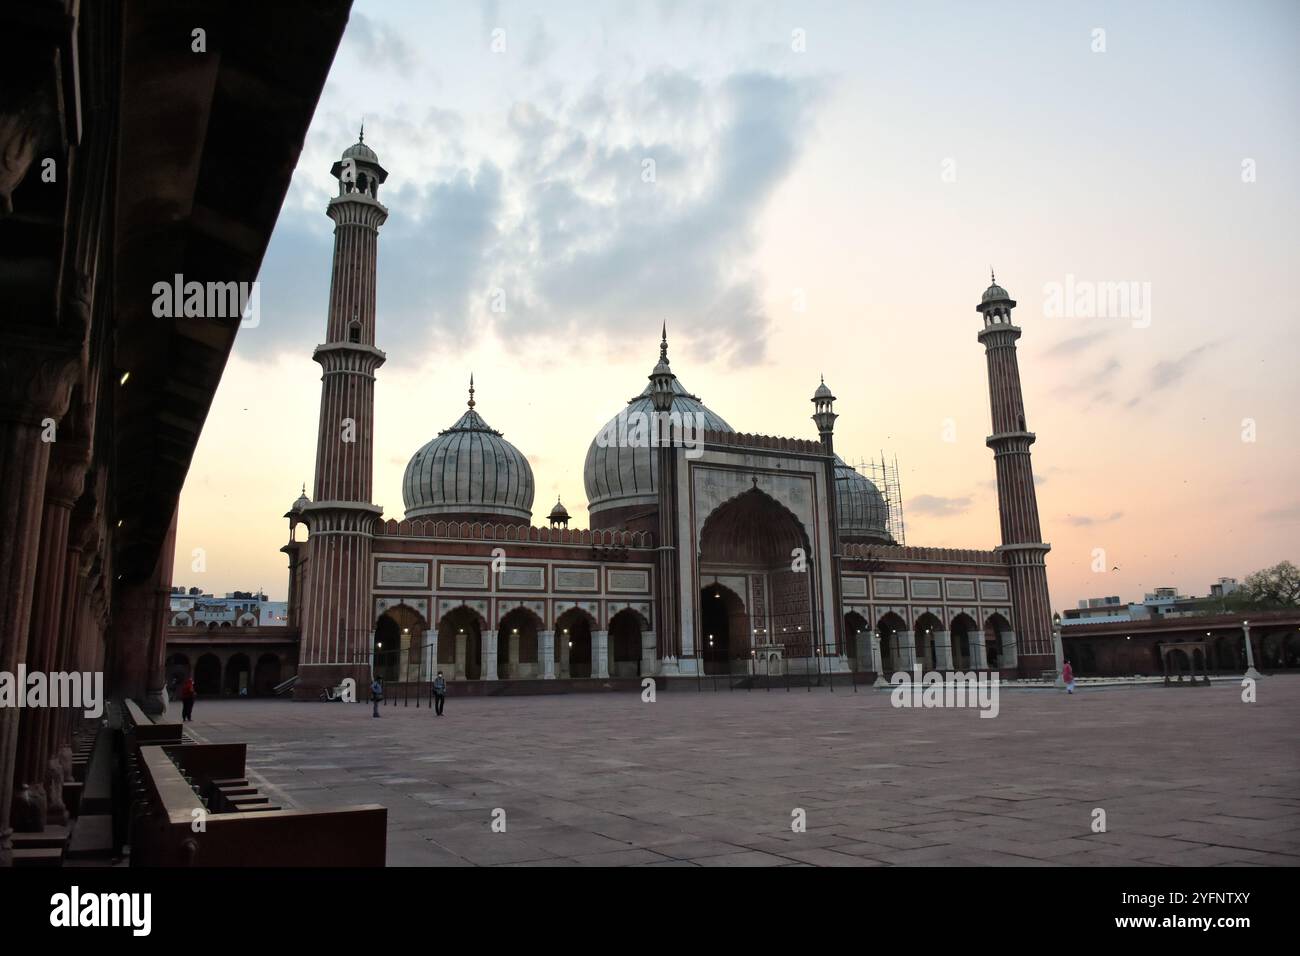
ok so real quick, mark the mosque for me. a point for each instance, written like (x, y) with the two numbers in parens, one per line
(711, 551)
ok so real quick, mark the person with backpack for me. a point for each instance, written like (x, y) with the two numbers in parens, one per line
(439, 694)
(188, 696)
(376, 693)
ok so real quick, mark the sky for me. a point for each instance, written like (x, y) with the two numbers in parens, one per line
(807, 189)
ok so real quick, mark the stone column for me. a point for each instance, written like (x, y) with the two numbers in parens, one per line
(36, 381)
(979, 656)
(943, 650)
(512, 658)
(904, 650)
(546, 654)
(488, 658)
(430, 655)
(600, 653)
(1010, 652)
(565, 640)
(649, 645)
(37, 764)
(458, 668)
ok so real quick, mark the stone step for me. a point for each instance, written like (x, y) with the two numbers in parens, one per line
(38, 856)
(50, 837)
(92, 837)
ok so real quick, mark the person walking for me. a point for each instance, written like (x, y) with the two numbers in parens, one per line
(376, 693)
(439, 694)
(188, 696)
(1067, 675)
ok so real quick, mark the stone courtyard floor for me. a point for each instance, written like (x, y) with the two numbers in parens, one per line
(1186, 776)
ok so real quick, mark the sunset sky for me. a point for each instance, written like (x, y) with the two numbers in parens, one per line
(832, 184)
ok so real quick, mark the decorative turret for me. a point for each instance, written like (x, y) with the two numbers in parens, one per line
(824, 415)
(559, 516)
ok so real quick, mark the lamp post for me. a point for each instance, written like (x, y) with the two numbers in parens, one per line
(1250, 654)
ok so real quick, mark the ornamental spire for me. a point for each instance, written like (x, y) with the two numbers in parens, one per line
(471, 389)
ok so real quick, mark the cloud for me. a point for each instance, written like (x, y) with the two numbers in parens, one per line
(937, 506)
(1167, 373)
(600, 213)
(1075, 344)
(1086, 521)
(1284, 513)
(378, 45)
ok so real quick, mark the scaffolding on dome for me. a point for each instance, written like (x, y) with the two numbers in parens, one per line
(884, 475)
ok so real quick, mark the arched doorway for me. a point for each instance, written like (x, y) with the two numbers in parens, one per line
(573, 643)
(927, 626)
(888, 629)
(400, 651)
(625, 643)
(754, 538)
(724, 628)
(856, 643)
(962, 629)
(517, 644)
(996, 631)
(460, 644)
(267, 675)
(207, 675)
(237, 676)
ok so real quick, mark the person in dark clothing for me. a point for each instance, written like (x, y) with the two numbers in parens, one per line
(376, 693)
(188, 696)
(439, 694)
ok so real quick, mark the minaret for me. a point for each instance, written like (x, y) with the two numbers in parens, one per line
(1022, 546)
(667, 618)
(824, 415)
(336, 613)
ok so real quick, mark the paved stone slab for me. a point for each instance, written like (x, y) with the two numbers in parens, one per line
(1185, 776)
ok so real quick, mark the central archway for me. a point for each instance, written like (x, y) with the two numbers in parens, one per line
(755, 538)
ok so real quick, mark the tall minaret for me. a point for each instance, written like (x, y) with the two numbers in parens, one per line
(1022, 545)
(824, 415)
(336, 613)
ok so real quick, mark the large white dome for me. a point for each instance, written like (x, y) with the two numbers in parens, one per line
(469, 470)
(619, 476)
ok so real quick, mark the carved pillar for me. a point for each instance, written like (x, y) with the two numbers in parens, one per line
(488, 657)
(942, 650)
(877, 664)
(600, 653)
(37, 763)
(35, 389)
(904, 650)
(512, 660)
(649, 645)
(458, 668)
(566, 642)
(546, 654)
(979, 652)
(1010, 653)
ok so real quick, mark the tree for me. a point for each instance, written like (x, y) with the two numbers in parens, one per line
(1275, 588)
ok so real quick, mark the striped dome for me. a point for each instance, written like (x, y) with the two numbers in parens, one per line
(470, 470)
(862, 510)
(617, 475)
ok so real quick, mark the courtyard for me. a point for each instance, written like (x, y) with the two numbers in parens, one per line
(1184, 775)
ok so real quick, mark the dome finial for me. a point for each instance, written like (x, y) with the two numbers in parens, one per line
(992, 278)
(471, 389)
(663, 344)
(362, 137)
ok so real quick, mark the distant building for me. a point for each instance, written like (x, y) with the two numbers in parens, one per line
(193, 608)
(1162, 603)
